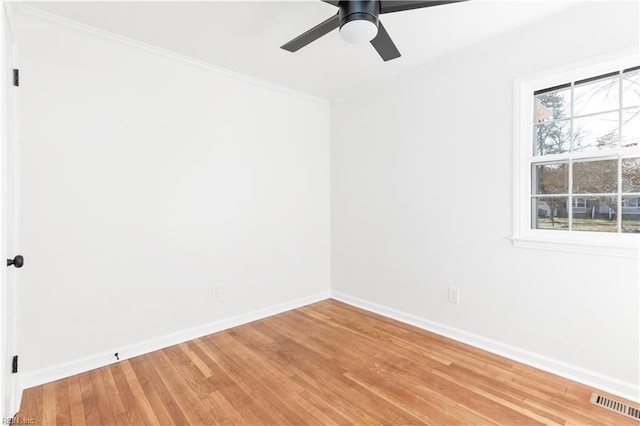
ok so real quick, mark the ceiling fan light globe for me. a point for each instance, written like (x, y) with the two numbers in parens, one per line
(359, 31)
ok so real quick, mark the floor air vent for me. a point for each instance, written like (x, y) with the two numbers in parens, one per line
(617, 406)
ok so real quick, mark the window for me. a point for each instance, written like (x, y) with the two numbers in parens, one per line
(577, 157)
(631, 205)
(579, 205)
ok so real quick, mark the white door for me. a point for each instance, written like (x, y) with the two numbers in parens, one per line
(9, 224)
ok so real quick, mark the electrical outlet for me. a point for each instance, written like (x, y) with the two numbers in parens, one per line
(454, 295)
(215, 291)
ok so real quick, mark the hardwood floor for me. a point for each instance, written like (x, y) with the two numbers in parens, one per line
(326, 363)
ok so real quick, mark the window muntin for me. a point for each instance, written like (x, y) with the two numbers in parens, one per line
(585, 140)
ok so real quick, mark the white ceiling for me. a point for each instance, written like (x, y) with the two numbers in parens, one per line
(245, 37)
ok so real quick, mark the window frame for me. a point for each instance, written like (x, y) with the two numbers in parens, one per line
(523, 236)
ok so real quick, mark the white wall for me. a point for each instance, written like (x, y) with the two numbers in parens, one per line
(421, 199)
(146, 181)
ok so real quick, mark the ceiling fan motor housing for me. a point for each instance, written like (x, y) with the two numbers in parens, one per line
(367, 10)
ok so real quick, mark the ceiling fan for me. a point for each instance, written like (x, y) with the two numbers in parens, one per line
(358, 21)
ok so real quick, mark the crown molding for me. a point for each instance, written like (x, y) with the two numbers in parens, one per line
(32, 11)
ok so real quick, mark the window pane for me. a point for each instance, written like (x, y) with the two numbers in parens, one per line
(597, 96)
(550, 178)
(631, 88)
(596, 132)
(549, 213)
(631, 128)
(631, 214)
(595, 176)
(552, 105)
(552, 138)
(631, 175)
(595, 214)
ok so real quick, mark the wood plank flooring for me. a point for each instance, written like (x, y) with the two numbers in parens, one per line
(326, 363)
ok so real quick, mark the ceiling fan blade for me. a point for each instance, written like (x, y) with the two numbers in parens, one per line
(384, 45)
(333, 2)
(313, 34)
(390, 6)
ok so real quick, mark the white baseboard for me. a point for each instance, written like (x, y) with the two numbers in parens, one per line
(596, 380)
(81, 365)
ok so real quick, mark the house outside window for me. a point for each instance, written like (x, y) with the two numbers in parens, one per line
(631, 205)
(577, 159)
(579, 205)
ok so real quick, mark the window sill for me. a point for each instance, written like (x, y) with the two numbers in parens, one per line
(630, 248)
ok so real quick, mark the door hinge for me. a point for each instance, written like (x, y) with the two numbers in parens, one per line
(16, 77)
(14, 364)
